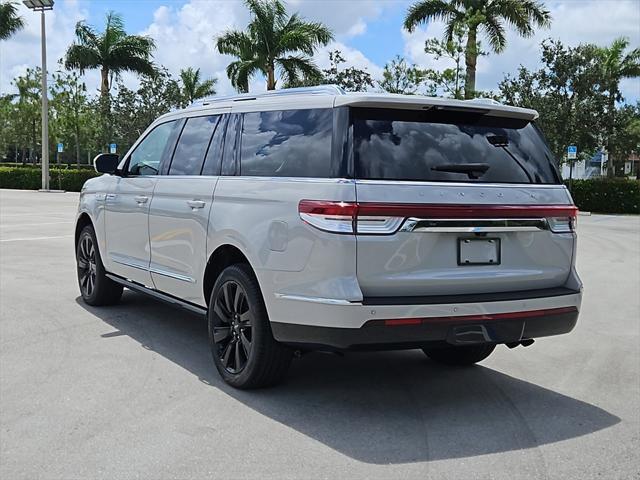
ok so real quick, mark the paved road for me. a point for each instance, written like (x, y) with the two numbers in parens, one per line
(130, 391)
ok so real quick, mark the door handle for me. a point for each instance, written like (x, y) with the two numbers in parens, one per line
(195, 204)
(110, 196)
(141, 199)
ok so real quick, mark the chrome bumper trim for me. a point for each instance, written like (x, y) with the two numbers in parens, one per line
(480, 225)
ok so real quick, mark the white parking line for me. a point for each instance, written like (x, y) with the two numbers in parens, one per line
(35, 224)
(33, 238)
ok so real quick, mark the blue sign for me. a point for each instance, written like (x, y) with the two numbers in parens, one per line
(60, 147)
(572, 152)
(112, 148)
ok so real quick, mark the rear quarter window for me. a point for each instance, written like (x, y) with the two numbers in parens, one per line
(287, 143)
(448, 146)
(192, 145)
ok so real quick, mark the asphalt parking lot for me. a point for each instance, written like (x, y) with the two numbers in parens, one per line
(130, 391)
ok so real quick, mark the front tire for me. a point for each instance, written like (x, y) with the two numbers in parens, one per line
(95, 287)
(459, 355)
(244, 351)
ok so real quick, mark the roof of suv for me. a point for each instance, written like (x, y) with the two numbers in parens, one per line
(333, 96)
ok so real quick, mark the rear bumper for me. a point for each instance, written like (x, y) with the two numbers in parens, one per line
(414, 326)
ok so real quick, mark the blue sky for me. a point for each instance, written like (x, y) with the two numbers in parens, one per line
(368, 32)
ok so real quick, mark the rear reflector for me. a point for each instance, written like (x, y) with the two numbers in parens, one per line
(386, 218)
(394, 322)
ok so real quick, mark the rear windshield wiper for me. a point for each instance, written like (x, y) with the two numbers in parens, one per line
(473, 170)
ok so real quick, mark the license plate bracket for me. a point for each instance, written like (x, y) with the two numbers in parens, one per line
(479, 251)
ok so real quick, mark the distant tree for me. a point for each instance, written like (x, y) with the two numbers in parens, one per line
(474, 15)
(135, 110)
(449, 81)
(27, 103)
(617, 64)
(10, 21)
(69, 114)
(567, 94)
(274, 43)
(112, 52)
(624, 138)
(351, 79)
(193, 87)
(400, 77)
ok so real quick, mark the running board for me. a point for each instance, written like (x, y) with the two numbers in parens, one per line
(163, 297)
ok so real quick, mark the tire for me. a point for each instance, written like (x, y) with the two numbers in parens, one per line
(459, 356)
(95, 287)
(243, 348)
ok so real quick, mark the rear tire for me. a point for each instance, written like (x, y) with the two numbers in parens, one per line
(459, 355)
(243, 348)
(95, 287)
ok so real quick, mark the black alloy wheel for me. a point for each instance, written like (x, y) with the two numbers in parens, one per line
(232, 329)
(87, 266)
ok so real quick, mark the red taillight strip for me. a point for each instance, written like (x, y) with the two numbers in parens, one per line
(393, 322)
(465, 211)
(321, 207)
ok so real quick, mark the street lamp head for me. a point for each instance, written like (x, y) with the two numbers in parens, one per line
(39, 5)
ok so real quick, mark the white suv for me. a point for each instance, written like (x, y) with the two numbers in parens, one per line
(313, 219)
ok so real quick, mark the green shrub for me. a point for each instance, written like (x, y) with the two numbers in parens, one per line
(51, 165)
(30, 178)
(614, 195)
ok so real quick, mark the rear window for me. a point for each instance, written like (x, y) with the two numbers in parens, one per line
(449, 146)
(192, 146)
(288, 143)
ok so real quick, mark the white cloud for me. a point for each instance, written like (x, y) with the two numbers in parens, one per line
(345, 18)
(574, 22)
(23, 49)
(185, 36)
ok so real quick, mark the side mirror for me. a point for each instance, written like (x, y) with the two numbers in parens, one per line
(106, 163)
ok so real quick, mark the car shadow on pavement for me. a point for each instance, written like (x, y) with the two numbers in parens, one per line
(381, 407)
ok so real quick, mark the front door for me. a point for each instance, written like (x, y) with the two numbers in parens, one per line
(127, 207)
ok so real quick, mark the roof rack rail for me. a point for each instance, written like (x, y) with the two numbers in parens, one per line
(484, 101)
(241, 97)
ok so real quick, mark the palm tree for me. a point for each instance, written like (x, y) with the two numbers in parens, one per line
(617, 64)
(472, 15)
(193, 88)
(112, 51)
(273, 42)
(10, 21)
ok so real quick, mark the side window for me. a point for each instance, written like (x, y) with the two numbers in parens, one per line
(146, 158)
(289, 143)
(214, 155)
(192, 145)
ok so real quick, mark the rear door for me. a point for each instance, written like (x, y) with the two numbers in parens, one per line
(455, 202)
(179, 213)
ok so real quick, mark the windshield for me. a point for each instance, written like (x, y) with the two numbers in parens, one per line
(449, 146)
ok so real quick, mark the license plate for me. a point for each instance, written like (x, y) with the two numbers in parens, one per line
(478, 251)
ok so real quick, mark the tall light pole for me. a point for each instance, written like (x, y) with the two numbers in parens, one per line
(42, 6)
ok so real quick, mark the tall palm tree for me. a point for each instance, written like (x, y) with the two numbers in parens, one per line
(274, 42)
(193, 88)
(617, 65)
(112, 51)
(473, 15)
(10, 21)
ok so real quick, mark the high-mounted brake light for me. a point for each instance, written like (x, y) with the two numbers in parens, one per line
(386, 218)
